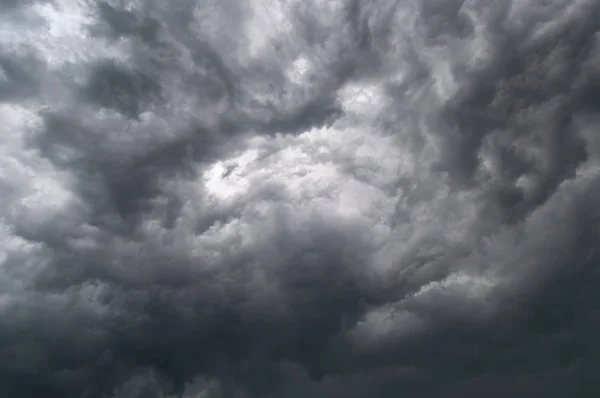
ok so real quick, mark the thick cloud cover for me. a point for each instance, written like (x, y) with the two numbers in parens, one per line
(299, 198)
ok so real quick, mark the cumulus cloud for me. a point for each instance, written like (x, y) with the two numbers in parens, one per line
(299, 198)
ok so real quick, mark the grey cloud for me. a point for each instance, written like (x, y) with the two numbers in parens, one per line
(11, 5)
(531, 92)
(19, 75)
(117, 22)
(124, 90)
(357, 199)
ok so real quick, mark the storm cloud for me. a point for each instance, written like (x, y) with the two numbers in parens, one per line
(299, 198)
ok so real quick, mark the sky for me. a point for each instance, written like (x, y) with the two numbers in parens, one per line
(299, 198)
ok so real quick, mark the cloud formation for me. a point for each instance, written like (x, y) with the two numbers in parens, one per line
(293, 198)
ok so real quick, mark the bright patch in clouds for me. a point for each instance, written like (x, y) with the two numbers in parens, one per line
(344, 170)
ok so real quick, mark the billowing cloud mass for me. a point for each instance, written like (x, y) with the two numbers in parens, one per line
(299, 198)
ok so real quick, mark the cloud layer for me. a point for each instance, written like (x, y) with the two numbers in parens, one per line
(293, 198)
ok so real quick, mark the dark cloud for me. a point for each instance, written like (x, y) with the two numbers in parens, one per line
(13, 4)
(117, 22)
(526, 100)
(299, 198)
(115, 87)
(19, 75)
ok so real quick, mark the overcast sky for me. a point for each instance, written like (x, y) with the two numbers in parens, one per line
(299, 198)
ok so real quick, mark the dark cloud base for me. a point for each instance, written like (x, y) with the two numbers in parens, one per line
(144, 281)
